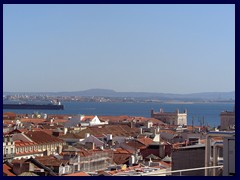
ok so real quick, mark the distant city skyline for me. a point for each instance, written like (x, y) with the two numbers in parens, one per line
(127, 48)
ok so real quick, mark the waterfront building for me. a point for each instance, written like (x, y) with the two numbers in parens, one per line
(172, 118)
(227, 120)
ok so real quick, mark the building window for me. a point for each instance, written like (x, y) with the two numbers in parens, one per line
(31, 148)
(17, 150)
(11, 150)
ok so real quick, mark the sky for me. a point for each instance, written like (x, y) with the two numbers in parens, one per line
(127, 48)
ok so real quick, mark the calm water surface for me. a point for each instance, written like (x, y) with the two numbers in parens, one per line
(209, 111)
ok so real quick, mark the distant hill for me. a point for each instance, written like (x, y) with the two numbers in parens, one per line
(112, 93)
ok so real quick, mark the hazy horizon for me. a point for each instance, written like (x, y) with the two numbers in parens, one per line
(114, 91)
(160, 48)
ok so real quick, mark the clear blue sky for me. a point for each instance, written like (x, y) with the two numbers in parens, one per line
(137, 48)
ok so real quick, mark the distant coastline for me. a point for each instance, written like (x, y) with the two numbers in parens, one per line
(106, 95)
(203, 102)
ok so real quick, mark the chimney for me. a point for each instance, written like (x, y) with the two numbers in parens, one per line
(141, 130)
(154, 131)
(65, 130)
(132, 160)
(87, 135)
(161, 148)
(59, 149)
(131, 124)
(81, 117)
(109, 137)
(45, 116)
(148, 124)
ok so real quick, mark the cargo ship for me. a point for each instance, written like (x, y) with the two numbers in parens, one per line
(58, 106)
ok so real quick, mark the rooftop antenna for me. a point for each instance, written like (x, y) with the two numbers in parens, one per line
(192, 122)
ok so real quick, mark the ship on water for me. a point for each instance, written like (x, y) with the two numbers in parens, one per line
(51, 106)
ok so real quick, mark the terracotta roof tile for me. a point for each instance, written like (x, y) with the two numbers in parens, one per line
(136, 144)
(32, 120)
(121, 151)
(100, 131)
(41, 137)
(120, 158)
(146, 141)
(60, 120)
(50, 161)
(78, 174)
(87, 118)
(21, 143)
(7, 170)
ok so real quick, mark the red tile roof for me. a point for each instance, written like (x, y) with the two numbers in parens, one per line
(129, 118)
(21, 143)
(115, 118)
(7, 170)
(33, 120)
(16, 131)
(60, 120)
(136, 144)
(9, 115)
(87, 118)
(58, 116)
(51, 161)
(78, 174)
(121, 158)
(121, 151)
(100, 131)
(146, 141)
(41, 137)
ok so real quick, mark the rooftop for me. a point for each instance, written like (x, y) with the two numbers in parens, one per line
(78, 174)
(41, 137)
(100, 131)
